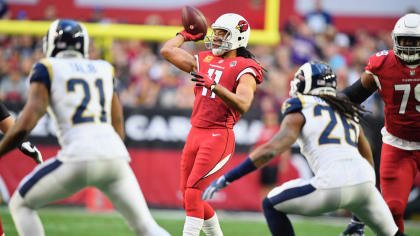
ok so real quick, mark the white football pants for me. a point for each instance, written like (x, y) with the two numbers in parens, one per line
(364, 200)
(54, 180)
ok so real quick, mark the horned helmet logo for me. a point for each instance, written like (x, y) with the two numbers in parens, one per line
(242, 26)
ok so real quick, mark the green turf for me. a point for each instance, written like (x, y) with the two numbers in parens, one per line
(75, 221)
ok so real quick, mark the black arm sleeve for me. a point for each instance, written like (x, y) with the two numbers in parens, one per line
(4, 113)
(357, 93)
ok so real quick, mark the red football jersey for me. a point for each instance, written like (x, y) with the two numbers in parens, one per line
(399, 87)
(209, 110)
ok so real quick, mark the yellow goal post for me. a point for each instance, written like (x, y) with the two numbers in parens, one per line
(106, 33)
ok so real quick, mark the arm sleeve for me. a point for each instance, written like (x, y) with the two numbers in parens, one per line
(40, 74)
(356, 93)
(4, 113)
(251, 67)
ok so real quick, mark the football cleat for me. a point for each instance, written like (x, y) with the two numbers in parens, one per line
(354, 229)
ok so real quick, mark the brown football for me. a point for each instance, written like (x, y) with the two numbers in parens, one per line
(193, 20)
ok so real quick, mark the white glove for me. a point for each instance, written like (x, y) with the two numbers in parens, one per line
(31, 151)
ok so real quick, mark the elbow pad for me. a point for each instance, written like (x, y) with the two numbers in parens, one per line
(356, 93)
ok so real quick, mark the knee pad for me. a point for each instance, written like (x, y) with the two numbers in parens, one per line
(267, 205)
(16, 202)
(208, 211)
(193, 203)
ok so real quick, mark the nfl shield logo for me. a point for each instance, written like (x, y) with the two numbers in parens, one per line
(233, 63)
(412, 72)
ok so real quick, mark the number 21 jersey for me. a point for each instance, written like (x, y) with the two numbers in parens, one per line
(81, 92)
(209, 110)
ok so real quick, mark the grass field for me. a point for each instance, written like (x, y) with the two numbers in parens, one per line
(66, 221)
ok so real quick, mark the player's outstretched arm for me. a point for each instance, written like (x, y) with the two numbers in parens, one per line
(360, 90)
(289, 131)
(281, 141)
(177, 56)
(34, 109)
(117, 118)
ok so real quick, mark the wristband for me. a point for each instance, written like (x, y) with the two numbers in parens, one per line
(242, 169)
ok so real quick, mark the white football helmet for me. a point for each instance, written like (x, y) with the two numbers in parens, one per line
(238, 31)
(66, 37)
(407, 26)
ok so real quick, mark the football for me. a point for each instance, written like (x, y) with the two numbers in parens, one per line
(194, 21)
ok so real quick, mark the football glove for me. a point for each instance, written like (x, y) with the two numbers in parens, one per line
(31, 151)
(215, 186)
(354, 228)
(203, 79)
(191, 37)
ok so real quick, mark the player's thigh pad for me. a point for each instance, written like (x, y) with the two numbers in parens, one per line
(300, 197)
(216, 148)
(49, 181)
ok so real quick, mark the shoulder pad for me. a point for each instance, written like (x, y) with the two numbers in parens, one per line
(292, 105)
(258, 71)
(377, 60)
(42, 72)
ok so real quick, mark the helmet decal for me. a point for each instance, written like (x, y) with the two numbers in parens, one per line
(242, 26)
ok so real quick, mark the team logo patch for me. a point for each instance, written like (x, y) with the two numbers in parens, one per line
(232, 64)
(242, 26)
(208, 58)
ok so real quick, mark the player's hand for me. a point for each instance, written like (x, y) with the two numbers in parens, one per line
(31, 151)
(203, 79)
(215, 186)
(354, 228)
(191, 37)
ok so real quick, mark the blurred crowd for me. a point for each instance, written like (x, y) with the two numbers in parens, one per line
(146, 79)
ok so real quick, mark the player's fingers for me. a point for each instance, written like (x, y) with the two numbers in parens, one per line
(210, 192)
(197, 80)
(196, 74)
(205, 194)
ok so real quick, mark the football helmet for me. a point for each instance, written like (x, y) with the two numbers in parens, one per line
(406, 29)
(314, 78)
(66, 36)
(237, 34)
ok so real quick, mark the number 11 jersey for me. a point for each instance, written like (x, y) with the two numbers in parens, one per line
(209, 110)
(81, 92)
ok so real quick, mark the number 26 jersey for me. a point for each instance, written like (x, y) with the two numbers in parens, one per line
(329, 142)
(209, 110)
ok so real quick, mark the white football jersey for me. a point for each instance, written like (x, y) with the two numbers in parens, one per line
(329, 142)
(81, 92)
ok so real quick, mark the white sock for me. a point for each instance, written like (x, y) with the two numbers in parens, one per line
(192, 226)
(211, 227)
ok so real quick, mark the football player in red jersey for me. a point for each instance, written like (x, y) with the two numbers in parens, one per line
(6, 121)
(226, 77)
(395, 74)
